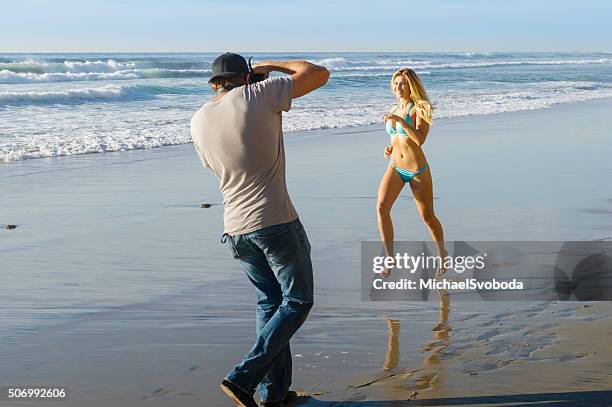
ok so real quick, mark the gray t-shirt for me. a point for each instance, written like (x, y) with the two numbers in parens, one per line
(240, 138)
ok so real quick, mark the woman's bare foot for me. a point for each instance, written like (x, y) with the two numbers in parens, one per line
(387, 270)
(442, 253)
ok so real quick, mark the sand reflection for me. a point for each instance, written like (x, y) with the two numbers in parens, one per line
(430, 369)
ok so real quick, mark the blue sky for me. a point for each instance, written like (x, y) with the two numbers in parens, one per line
(316, 25)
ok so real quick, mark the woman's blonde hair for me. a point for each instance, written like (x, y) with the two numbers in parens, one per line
(417, 93)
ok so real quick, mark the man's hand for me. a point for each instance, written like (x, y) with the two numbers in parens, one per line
(388, 152)
(306, 76)
(263, 68)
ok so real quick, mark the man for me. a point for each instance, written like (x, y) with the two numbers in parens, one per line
(238, 135)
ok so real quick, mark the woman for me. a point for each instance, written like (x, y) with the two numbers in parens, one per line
(408, 125)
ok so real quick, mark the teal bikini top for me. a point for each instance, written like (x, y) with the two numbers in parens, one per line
(401, 131)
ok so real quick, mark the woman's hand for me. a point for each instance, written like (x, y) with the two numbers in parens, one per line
(393, 117)
(394, 120)
(388, 152)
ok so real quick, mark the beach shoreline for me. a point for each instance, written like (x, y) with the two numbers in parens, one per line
(69, 104)
(117, 286)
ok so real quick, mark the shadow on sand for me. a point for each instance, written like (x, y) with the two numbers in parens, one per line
(569, 399)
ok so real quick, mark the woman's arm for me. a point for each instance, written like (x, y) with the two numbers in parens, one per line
(419, 133)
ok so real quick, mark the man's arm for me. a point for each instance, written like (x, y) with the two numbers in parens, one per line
(306, 76)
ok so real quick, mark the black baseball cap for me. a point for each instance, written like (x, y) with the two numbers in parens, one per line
(229, 64)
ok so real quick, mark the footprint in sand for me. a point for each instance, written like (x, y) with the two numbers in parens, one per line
(423, 382)
(158, 393)
(478, 365)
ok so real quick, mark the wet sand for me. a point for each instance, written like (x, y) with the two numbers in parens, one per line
(552, 353)
(117, 288)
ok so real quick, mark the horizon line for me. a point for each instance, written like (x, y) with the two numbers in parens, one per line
(297, 52)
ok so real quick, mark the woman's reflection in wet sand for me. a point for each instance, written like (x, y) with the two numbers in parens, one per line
(393, 355)
(441, 333)
(434, 348)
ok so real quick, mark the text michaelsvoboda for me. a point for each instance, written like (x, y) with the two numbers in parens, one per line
(433, 284)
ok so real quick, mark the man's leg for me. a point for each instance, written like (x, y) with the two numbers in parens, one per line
(276, 383)
(269, 298)
(267, 289)
(287, 251)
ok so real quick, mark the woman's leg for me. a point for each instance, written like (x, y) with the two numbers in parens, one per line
(390, 187)
(422, 190)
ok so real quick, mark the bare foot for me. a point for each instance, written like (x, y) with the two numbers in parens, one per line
(387, 271)
(442, 269)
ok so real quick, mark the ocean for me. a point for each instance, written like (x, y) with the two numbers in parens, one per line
(67, 104)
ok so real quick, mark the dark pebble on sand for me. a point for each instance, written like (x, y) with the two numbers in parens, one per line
(10, 226)
(205, 205)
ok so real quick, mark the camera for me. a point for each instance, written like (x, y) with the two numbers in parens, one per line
(255, 77)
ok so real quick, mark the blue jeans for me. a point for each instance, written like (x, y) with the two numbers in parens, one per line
(276, 260)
